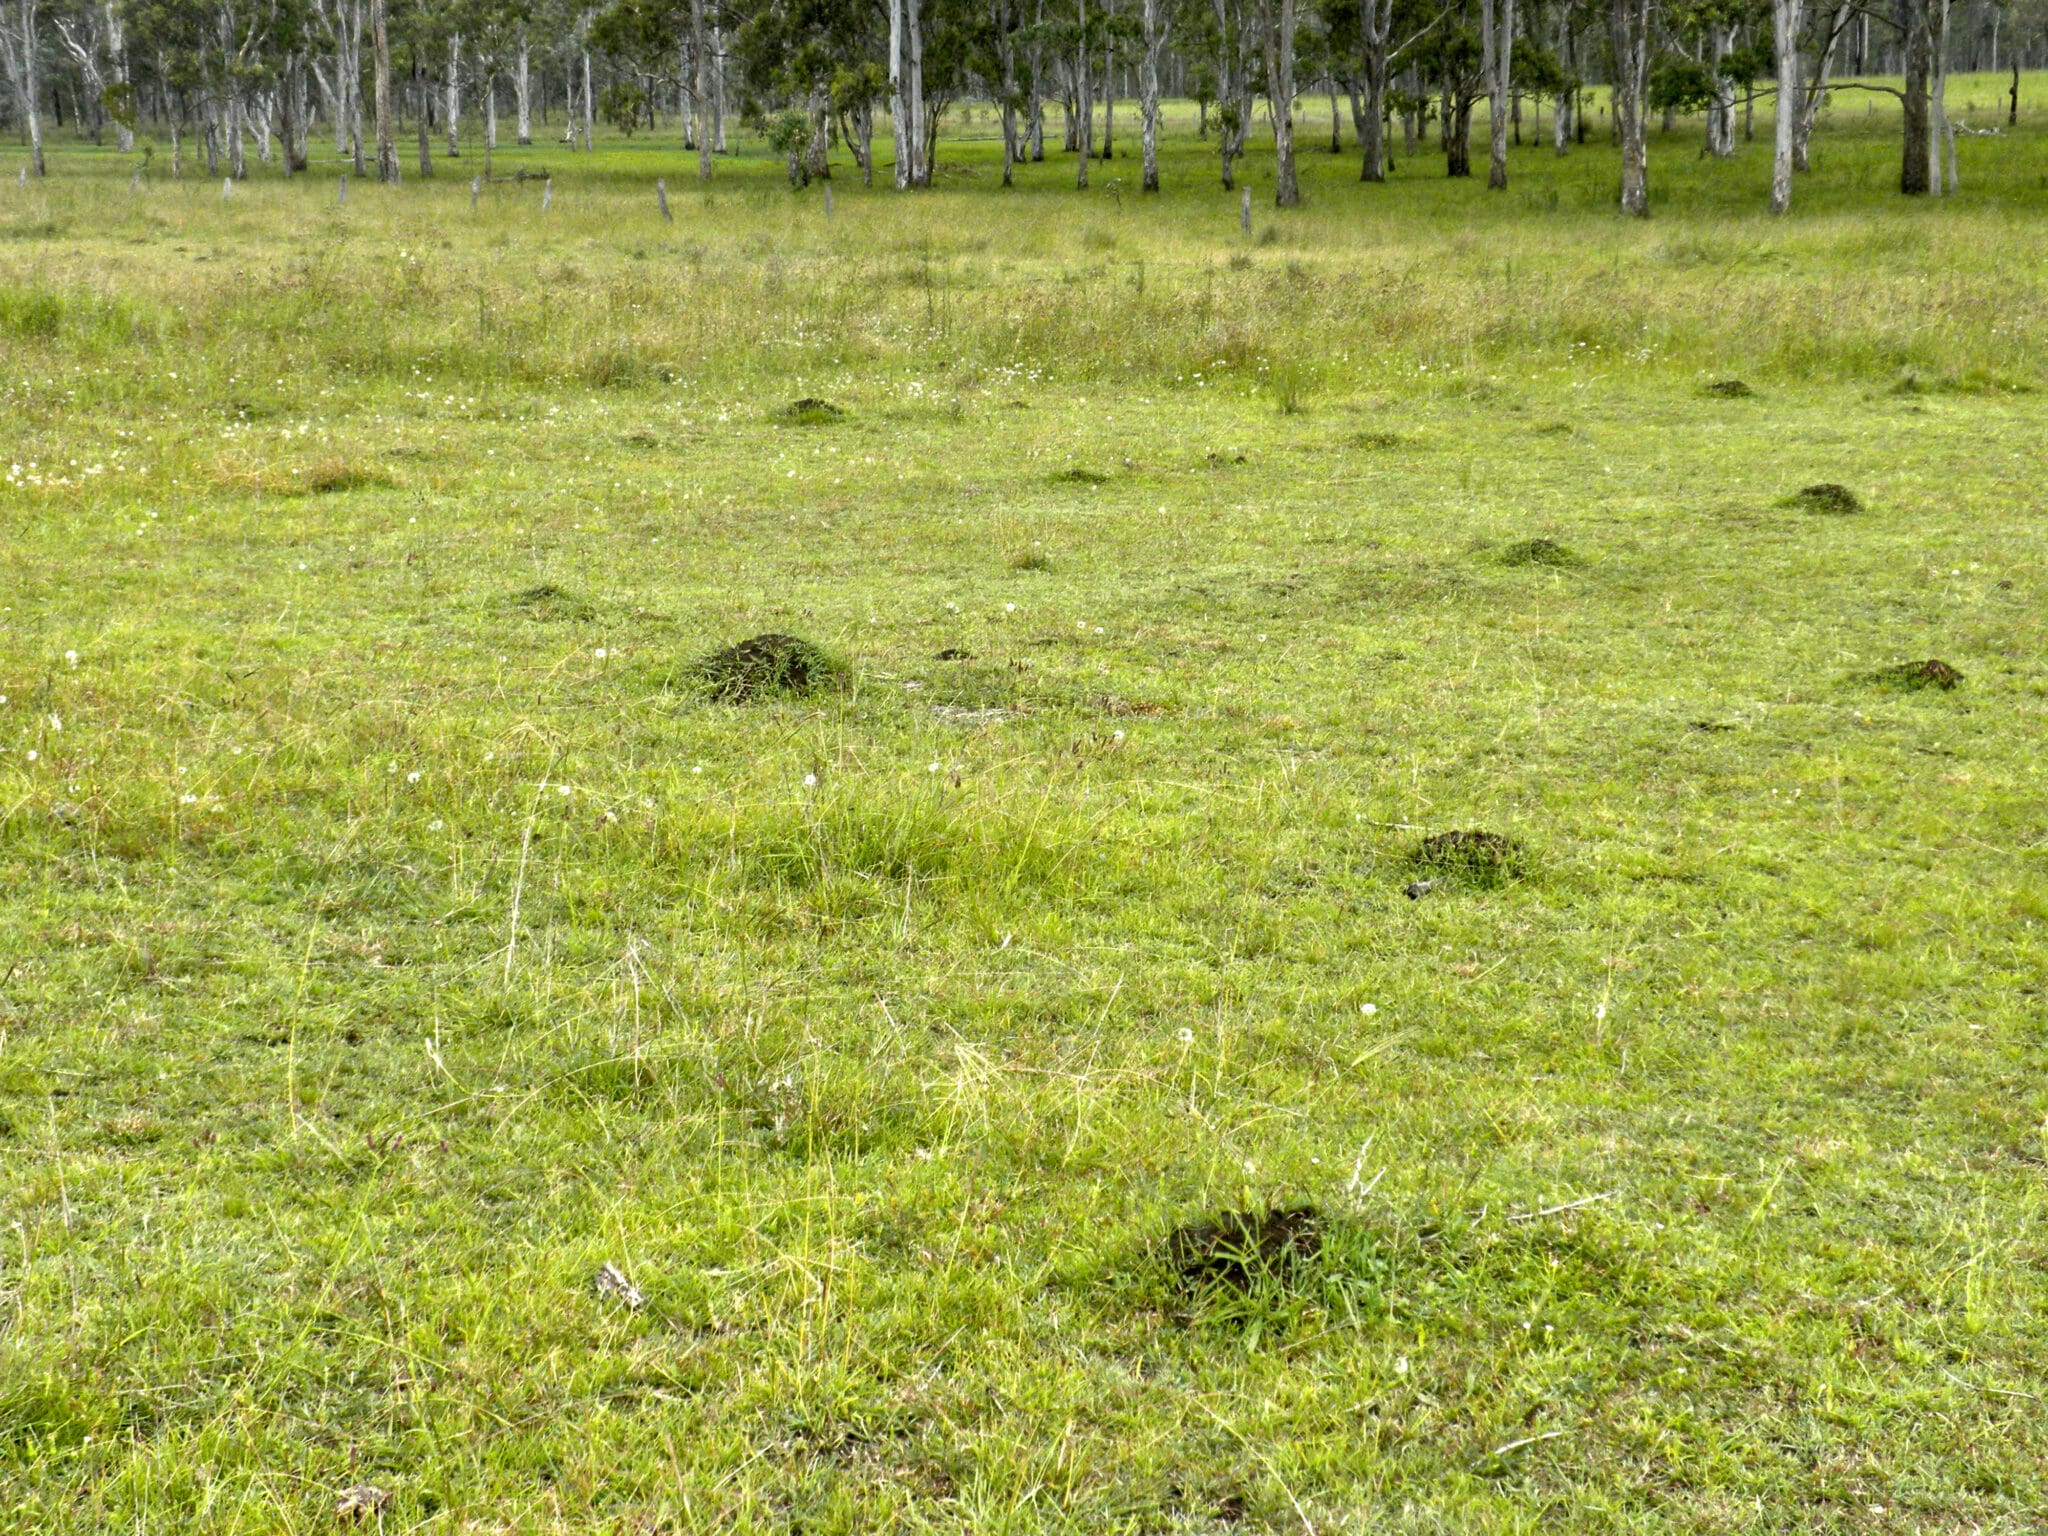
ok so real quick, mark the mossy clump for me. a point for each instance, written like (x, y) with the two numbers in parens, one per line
(1079, 476)
(552, 604)
(769, 664)
(1239, 1249)
(811, 412)
(1912, 676)
(1378, 440)
(1538, 552)
(1731, 389)
(1827, 497)
(1479, 858)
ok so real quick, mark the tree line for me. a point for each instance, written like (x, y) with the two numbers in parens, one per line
(810, 75)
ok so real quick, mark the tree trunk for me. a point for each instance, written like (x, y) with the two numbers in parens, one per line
(1937, 98)
(422, 86)
(1280, 92)
(703, 63)
(296, 127)
(1913, 168)
(522, 94)
(1497, 21)
(589, 104)
(1084, 106)
(899, 113)
(21, 48)
(1631, 26)
(718, 83)
(1006, 55)
(1786, 21)
(1109, 84)
(453, 104)
(1375, 24)
(380, 45)
(1155, 25)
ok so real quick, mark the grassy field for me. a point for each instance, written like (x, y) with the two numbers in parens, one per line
(394, 931)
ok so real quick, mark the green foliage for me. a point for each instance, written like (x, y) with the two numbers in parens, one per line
(622, 105)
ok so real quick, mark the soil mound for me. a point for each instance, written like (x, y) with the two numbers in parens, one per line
(1483, 858)
(1240, 1248)
(1915, 675)
(768, 664)
(1538, 552)
(1828, 497)
(1731, 389)
(811, 412)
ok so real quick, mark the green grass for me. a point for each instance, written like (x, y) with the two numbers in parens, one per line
(389, 941)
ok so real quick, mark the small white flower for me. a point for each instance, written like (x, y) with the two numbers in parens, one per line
(810, 781)
(598, 653)
(188, 799)
(698, 769)
(489, 755)
(1119, 736)
(413, 777)
(436, 824)
(34, 755)
(1184, 1036)
(932, 768)
(71, 658)
(563, 789)
(56, 725)
(1401, 1366)
(1368, 1009)
(1098, 629)
(1009, 607)
(1599, 1010)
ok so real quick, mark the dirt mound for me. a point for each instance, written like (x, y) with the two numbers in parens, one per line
(954, 653)
(1484, 858)
(1915, 675)
(1080, 477)
(1731, 389)
(554, 604)
(1238, 1249)
(1538, 552)
(768, 664)
(811, 412)
(1827, 497)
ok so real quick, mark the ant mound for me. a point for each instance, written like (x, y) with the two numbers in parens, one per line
(1915, 675)
(768, 664)
(1827, 497)
(1731, 389)
(1538, 552)
(1483, 858)
(1238, 1249)
(811, 412)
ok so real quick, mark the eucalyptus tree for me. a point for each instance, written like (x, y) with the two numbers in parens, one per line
(21, 47)
(380, 79)
(1629, 25)
(1452, 59)
(92, 34)
(1278, 19)
(1497, 43)
(1156, 23)
(1380, 23)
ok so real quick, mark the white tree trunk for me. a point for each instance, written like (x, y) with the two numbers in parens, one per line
(589, 105)
(1280, 92)
(1786, 19)
(898, 116)
(1497, 22)
(20, 49)
(522, 94)
(1155, 28)
(453, 105)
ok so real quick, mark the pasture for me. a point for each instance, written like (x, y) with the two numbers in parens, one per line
(398, 927)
